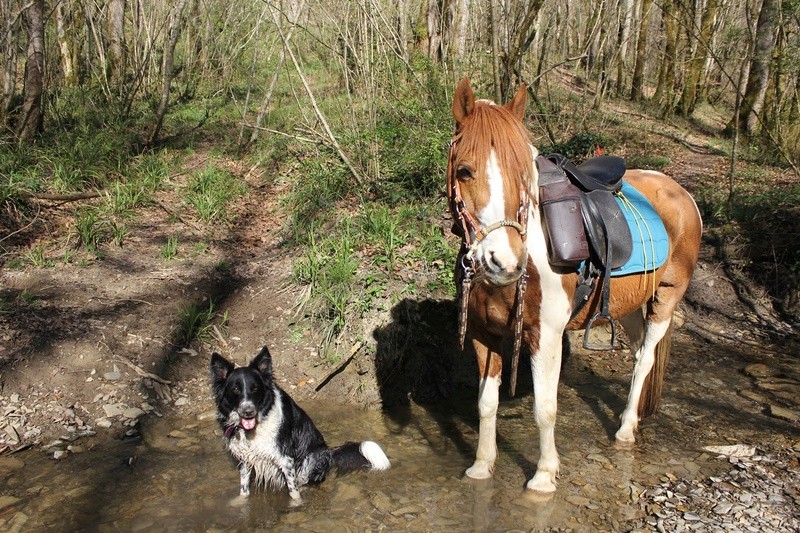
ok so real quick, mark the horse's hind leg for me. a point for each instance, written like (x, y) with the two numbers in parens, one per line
(656, 326)
(490, 366)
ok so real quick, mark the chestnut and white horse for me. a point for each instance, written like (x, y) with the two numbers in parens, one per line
(493, 189)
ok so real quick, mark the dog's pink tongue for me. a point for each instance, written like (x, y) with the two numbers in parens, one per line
(248, 423)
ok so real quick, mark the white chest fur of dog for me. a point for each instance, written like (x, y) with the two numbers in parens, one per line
(258, 450)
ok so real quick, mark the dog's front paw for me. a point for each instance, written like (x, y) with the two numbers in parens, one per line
(296, 500)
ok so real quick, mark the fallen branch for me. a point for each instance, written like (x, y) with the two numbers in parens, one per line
(141, 372)
(353, 351)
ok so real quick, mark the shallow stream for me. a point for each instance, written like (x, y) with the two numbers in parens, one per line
(177, 476)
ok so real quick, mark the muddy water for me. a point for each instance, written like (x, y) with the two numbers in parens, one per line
(177, 476)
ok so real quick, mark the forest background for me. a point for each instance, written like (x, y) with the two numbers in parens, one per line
(105, 105)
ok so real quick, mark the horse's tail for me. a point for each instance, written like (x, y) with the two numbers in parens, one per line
(654, 382)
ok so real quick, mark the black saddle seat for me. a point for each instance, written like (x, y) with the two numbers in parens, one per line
(602, 173)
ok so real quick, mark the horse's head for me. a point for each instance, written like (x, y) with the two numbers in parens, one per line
(490, 173)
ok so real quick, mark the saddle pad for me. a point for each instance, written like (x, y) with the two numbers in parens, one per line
(650, 239)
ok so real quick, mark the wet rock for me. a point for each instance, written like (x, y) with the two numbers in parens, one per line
(784, 413)
(7, 501)
(580, 501)
(598, 458)
(17, 523)
(9, 464)
(760, 370)
(734, 450)
(408, 510)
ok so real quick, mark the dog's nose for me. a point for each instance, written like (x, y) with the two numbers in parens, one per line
(248, 412)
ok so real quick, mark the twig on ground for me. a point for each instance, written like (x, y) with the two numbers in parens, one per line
(346, 361)
(141, 372)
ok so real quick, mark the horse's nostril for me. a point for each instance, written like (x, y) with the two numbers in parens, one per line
(495, 261)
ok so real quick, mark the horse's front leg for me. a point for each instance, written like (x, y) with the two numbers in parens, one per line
(490, 366)
(546, 368)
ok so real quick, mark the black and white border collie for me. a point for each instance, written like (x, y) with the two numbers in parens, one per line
(272, 437)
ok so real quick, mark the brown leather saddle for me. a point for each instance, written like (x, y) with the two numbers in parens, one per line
(585, 226)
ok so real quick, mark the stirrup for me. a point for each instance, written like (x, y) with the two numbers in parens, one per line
(600, 346)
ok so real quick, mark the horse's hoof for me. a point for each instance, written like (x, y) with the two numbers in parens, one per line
(541, 484)
(480, 470)
(624, 440)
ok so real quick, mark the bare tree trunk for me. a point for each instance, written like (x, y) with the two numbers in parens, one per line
(698, 60)
(494, 29)
(167, 68)
(434, 24)
(11, 30)
(521, 33)
(627, 13)
(116, 39)
(758, 79)
(67, 41)
(665, 88)
(32, 116)
(402, 27)
(637, 82)
(462, 27)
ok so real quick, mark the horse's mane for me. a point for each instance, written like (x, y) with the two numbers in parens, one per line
(490, 127)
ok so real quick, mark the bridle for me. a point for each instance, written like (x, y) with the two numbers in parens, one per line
(472, 233)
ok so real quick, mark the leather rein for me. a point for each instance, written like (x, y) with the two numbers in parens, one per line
(472, 234)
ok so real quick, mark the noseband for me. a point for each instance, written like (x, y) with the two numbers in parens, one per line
(472, 234)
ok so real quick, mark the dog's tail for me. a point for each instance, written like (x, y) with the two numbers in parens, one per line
(355, 455)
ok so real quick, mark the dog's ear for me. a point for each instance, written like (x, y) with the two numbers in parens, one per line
(220, 368)
(262, 363)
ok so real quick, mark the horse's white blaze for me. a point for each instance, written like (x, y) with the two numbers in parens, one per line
(495, 250)
(485, 455)
(645, 357)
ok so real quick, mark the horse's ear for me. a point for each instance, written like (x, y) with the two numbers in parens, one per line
(517, 104)
(463, 101)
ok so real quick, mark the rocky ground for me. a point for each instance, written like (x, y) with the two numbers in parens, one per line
(758, 493)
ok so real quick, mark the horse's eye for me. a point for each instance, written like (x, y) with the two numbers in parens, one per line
(463, 173)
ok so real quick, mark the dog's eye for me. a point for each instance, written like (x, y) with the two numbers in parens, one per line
(236, 390)
(254, 388)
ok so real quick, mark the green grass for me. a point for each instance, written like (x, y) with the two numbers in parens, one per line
(36, 256)
(170, 249)
(89, 227)
(197, 322)
(383, 229)
(210, 192)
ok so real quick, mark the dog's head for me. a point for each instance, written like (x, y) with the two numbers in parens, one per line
(243, 394)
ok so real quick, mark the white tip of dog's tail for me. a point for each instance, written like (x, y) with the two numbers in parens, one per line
(374, 454)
